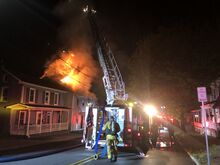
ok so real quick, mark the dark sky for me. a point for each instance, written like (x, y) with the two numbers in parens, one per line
(28, 34)
(30, 28)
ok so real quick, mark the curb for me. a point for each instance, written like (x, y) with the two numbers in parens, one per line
(35, 154)
(193, 158)
(190, 155)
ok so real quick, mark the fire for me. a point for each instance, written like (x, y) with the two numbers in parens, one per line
(76, 70)
(71, 79)
(66, 80)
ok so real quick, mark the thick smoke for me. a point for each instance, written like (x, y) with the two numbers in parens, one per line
(74, 36)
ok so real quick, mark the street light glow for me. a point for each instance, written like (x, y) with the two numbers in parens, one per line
(150, 110)
(130, 104)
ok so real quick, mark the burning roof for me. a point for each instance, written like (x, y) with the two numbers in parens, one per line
(73, 69)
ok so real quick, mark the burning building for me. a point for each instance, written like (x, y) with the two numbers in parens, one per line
(75, 70)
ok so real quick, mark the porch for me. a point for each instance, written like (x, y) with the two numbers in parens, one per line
(30, 120)
(213, 127)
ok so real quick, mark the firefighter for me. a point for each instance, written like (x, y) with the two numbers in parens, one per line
(111, 129)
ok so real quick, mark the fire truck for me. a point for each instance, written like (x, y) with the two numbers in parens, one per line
(115, 97)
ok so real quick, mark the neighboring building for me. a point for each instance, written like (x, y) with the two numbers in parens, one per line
(78, 115)
(30, 107)
(212, 108)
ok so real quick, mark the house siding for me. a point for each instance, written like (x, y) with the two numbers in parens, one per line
(14, 90)
(64, 98)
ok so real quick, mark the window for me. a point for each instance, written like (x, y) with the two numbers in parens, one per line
(56, 98)
(47, 97)
(4, 94)
(64, 117)
(22, 117)
(32, 94)
(38, 118)
(48, 118)
(5, 78)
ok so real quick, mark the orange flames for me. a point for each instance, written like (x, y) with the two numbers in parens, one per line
(76, 70)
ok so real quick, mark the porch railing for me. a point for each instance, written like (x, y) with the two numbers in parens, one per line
(38, 129)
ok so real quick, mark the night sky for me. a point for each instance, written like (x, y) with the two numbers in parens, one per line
(31, 30)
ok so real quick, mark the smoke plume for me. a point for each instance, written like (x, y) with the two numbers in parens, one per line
(74, 67)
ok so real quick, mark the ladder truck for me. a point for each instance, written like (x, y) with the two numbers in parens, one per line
(115, 95)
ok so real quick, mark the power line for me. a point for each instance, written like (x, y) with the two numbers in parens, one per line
(78, 81)
(75, 68)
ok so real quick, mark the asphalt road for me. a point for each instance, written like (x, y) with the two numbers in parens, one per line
(175, 156)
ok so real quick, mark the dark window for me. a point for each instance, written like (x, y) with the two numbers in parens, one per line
(48, 117)
(32, 93)
(56, 98)
(38, 118)
(22, 118)
(4, 94)
(47, 97)
(64, 117)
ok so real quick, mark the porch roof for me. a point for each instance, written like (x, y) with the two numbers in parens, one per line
(19, 106)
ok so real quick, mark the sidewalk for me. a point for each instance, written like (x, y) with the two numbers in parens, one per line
(10, 143)
(17, 148)
(194, 144)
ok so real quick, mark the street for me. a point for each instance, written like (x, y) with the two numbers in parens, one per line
(82, 156)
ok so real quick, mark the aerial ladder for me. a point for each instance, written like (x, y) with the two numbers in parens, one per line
(112, 79)
(115, 92)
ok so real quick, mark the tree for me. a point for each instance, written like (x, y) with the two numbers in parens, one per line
(159, 70)
(139, 69)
